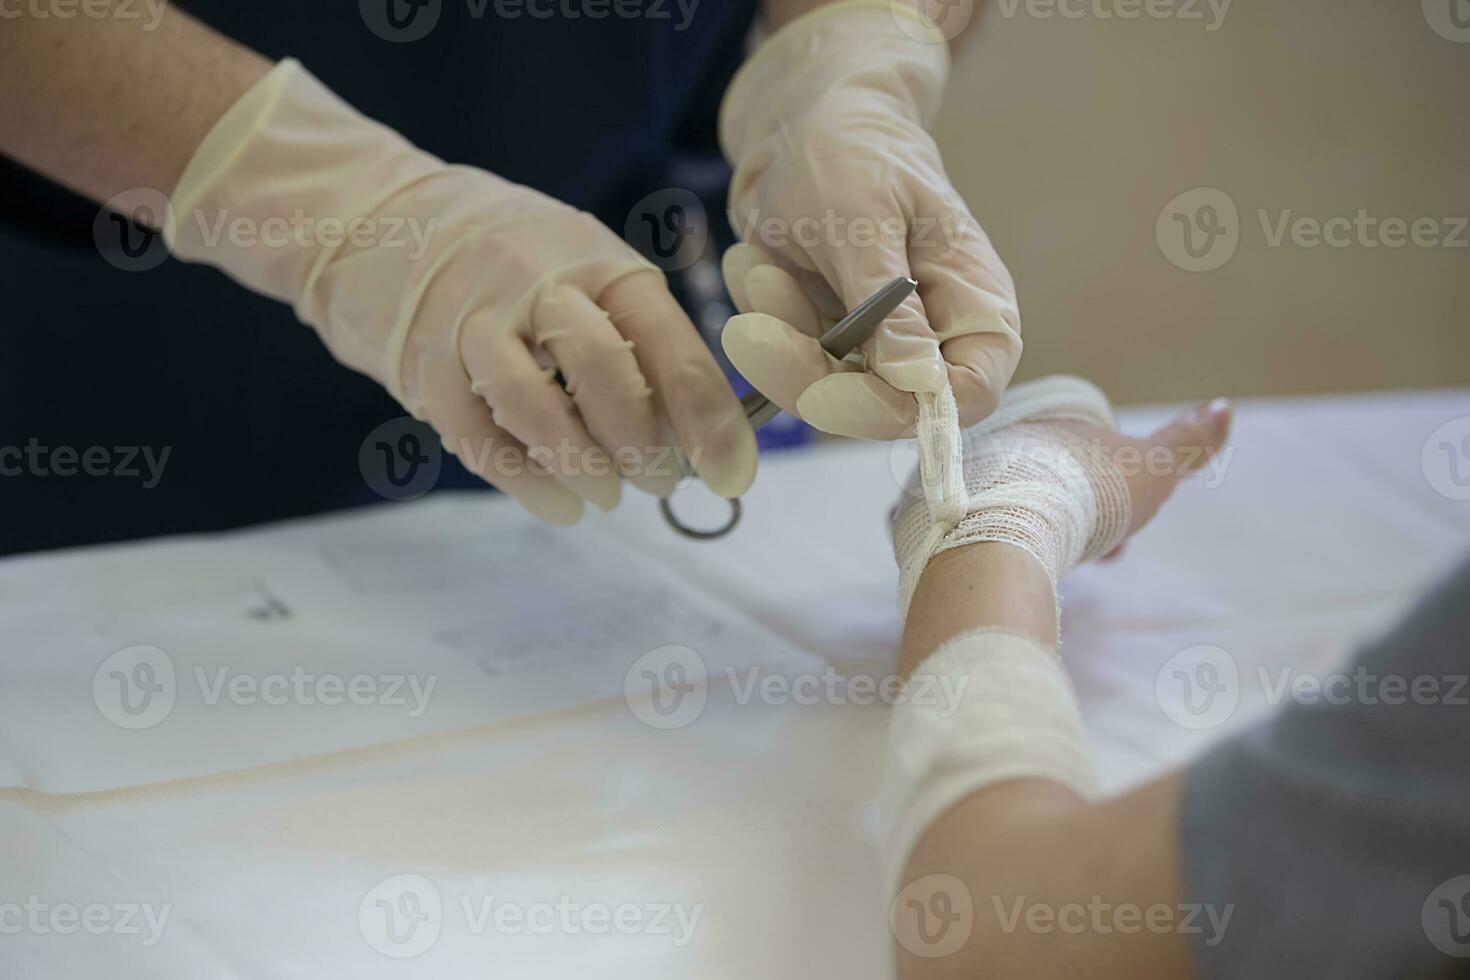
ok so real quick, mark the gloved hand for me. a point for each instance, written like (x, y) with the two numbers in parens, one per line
(838, 189)
(458, 291)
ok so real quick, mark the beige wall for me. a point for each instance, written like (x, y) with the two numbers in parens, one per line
(1069, 136)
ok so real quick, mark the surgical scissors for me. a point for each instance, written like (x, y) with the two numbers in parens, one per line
(844, 337)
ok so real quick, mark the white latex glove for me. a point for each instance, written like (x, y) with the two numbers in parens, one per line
(457, 290)
(825, 126)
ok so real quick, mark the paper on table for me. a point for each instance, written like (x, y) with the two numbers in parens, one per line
(190, 657)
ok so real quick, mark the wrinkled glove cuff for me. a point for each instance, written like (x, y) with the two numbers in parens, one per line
(853, 43)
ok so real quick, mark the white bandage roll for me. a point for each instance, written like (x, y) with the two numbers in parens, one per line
(1013, 714)
(1027, 479)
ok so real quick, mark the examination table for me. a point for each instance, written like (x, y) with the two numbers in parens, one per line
(294, 827)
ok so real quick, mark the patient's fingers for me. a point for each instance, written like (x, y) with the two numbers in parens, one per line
(1192, 440)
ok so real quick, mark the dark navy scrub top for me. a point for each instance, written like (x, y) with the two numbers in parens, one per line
(257, 419)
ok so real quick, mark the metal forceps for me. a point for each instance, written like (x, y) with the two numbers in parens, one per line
(844, 337)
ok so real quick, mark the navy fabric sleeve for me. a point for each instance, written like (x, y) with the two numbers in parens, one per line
(1338, 832)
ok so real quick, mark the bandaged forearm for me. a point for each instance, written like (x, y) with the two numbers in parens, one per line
(1029, 481)
(1014, 715)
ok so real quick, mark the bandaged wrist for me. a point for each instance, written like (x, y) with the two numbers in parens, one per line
(1013, 715)
(1029, 481)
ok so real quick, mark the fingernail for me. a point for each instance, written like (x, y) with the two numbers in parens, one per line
(1218, 411)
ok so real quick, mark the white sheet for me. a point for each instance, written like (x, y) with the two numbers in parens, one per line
(755, 817)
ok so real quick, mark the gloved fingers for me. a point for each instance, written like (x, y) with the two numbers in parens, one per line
(465, 427)
(697, 400)
(980, 367)
(777, 359)
(737, 262)
(904, 351)
(965, 287)
(604, 381)
(970, 300)
(526, 401)
(774, 291)
(859, 405)
(758, 284)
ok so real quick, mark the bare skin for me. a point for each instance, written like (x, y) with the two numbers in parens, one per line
(103, 105)
(1030, 840)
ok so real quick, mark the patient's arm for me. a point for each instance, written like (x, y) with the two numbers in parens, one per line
(1329, 839)
(1032, 846)
(1032, 843)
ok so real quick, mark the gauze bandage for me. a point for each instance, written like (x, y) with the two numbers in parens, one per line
(1015, 717)
(1031, 482)
(1027, 481)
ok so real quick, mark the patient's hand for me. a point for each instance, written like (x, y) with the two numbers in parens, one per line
(1152, 466)
(1049, 475)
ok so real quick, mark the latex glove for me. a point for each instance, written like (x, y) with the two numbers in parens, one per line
(457, 291)
(825, 126)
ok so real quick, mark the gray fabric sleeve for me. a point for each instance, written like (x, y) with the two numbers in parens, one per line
(1336, 831)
